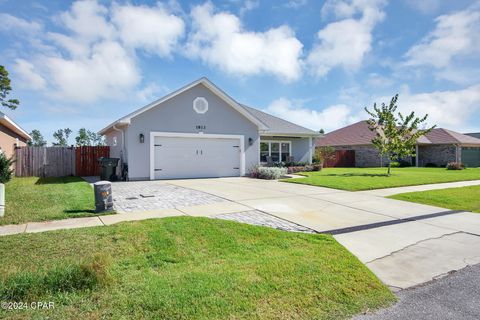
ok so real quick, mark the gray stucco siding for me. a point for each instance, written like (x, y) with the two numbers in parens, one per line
(177, 115)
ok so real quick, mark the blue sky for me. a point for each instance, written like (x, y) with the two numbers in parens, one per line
(317, 63)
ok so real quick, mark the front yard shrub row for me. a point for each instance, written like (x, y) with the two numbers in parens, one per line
(455, 166)
(268, 173)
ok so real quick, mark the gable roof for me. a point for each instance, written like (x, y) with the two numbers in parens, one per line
(278, 126)
(10, 124)
(266, 123)
(359, 134)
(352, 135)
(207, 83)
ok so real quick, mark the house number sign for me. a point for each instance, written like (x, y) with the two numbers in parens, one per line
(201, 127)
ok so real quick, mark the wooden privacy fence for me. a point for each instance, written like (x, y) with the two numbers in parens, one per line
(87, 160)
(343, 158)
(58, 161)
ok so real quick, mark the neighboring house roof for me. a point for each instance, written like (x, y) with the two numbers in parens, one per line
(265, 122)
(10, 124)
(474, 134)
(352, 135)
(359, 134)
(278, 126)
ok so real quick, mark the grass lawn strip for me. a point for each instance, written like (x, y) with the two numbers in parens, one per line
(186, 268)
(41, 199)
(357, 179)
(463, 198)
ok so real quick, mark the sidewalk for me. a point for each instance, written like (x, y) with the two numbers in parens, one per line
(391, 191)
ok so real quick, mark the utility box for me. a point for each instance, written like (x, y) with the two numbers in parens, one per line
(109, 168)
(103, 196)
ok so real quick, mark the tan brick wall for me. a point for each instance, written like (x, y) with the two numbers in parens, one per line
(8, 138)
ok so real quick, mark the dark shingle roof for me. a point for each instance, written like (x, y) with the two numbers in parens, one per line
(474, 134)
(277, 125)
(359, 134)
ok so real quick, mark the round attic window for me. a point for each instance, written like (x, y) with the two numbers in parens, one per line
(200, 105)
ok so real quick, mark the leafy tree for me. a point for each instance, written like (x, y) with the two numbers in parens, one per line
(6, 170)
(5, 89)
(37, 139)
(89, 138)
(395, 138)
(321, 131)
(61, 137)
(324, 154)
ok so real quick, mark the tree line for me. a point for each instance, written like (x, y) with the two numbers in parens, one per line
(84, 137)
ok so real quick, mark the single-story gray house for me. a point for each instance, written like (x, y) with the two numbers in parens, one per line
(440, 146)
(199, 131)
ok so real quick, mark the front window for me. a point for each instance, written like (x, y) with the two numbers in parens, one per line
(264, 151)
(278, 151)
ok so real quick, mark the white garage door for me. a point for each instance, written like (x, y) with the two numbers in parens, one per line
(178, 157)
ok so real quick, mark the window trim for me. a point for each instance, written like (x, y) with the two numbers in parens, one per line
(280, 148)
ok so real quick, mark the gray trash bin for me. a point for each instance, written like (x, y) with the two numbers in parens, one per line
(103, 196)
(109, 168)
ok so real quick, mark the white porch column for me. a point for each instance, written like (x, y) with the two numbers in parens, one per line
(311, 150)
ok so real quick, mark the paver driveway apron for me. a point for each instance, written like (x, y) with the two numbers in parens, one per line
(404, 243)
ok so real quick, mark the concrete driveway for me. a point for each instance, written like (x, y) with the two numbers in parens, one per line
(403, 243)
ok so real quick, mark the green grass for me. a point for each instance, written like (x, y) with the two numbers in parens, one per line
(189, 268)
(355, 179)
(464, 198)
(40, 199)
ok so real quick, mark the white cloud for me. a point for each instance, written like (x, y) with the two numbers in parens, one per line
(345, 43)
(153, 29)
(27, 75)
(220, 40)
(11, 23)
(106, 73)
(87, 20)
(455, 35)
(451, 109)
(295, 4)
(249, 5)
(330, 118)
(92, 54)
(425, 6)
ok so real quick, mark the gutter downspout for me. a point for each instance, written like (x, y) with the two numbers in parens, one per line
(122, 151)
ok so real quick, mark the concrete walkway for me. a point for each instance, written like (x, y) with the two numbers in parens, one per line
(403, 243)
(391, 191)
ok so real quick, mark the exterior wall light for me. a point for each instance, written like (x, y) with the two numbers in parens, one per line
(142, 138)
(250, 141)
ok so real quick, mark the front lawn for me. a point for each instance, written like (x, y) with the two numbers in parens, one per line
(185, 268)
(40, 199)
(464, 198)
(355, 179)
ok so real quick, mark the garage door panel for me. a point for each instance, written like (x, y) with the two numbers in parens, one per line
(471, 156)
(178, 157)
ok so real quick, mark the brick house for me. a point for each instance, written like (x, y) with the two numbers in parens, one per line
(11, 135)
(354, 148)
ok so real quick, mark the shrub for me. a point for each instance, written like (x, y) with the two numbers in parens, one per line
(317, 167)
(6, 170)
(268, 173)
(404, 163)
(430, 165)
(295, 169)
(66, 278)
(455, 166)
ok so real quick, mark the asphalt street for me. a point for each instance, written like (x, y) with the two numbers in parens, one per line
(456, 296)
